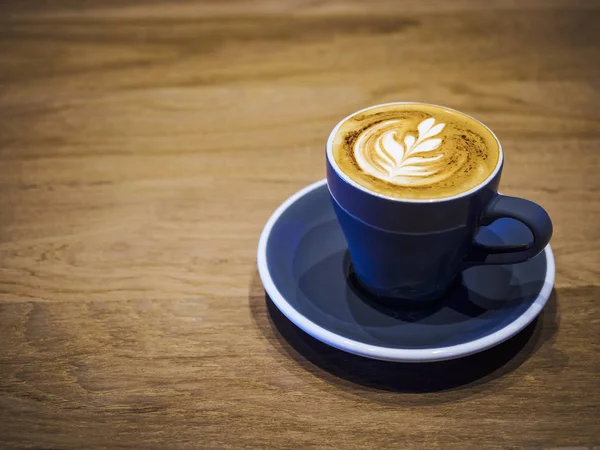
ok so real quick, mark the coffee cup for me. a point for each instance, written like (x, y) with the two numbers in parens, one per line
(411, 185)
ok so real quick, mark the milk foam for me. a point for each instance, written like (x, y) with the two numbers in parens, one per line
(415, 151)
(409, 158)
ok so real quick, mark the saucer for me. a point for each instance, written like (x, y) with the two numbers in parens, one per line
(306, 271)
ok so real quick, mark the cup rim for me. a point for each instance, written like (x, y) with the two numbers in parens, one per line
(356, 185)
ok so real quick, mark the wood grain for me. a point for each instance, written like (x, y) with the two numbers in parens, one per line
(143, 145)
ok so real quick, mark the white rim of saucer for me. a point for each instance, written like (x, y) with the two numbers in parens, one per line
(389, 353)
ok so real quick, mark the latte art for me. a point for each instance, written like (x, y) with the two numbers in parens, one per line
(415, 150)
(412, 159)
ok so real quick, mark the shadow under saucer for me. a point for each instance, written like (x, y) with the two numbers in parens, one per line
(337, 366)
(304, 265)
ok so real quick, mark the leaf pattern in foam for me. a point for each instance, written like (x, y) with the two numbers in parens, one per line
(426, 146)
(392, 147)
(435, 130)
(424, 127)
(424, 143)
(419, 160)
(392, 158)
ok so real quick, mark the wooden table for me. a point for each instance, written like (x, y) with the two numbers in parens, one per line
(144, 144)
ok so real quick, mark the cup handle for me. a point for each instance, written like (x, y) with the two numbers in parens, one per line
(529, 213)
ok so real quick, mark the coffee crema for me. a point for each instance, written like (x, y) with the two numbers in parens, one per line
(415, 151)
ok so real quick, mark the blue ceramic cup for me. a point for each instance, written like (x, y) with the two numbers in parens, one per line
(410, 251)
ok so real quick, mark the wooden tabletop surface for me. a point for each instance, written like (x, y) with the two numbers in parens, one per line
(143, 145)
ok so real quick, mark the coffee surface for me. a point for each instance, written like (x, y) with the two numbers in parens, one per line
(415, 151)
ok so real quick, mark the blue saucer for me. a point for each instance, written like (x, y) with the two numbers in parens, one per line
(304, 265)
